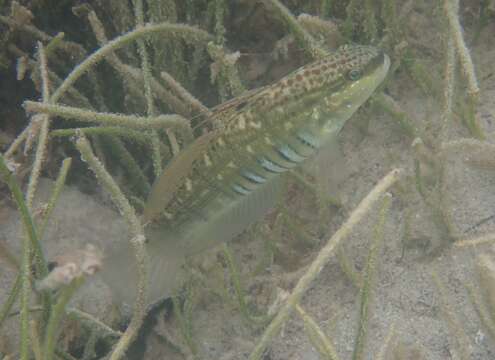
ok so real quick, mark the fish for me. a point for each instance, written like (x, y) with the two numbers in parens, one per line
(230, 176)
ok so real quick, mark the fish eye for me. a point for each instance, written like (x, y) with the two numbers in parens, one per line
(354, 74)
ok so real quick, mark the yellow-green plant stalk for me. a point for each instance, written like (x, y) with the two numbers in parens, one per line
(52, 328)
(451, 8)
(238, 289)
(188, 32)
(130, 121)
(146, 69)
(29, 243)
(304, 39)
(387, 343)
(57, 189)
(137, 244)
(131, 135)
(43, 132)
(185, 326)
(317, 337)
(93, 323)
(368, 280)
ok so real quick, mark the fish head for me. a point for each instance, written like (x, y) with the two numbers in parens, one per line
(331, 89)
(353, 74)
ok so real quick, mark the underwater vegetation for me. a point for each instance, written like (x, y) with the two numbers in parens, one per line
(117, 99)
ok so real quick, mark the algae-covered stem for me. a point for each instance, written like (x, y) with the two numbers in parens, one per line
(137, 242)
(150, 108)
(184, 30)
(43, 132)
(127, 121)
(366, 290)
(59, 184)
(30, 243)
(52, 327)
(321, 260)
(304, 39)
(317, 336)
(451, 8)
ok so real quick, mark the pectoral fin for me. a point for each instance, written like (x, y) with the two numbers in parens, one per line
(172, 178)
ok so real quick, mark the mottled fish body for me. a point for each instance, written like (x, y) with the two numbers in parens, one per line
(228, 178)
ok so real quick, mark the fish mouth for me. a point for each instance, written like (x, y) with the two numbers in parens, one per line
(383, 62)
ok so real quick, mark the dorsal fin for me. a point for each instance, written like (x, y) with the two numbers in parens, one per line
(223, 113)
(172, 177)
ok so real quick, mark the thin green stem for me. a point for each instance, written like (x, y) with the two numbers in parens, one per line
(239, 291)
(137, 242)
(449, 79)
(485, 315)
(137, 179)
(185, 327)
(17, 142)
(51, 332)
(387, 342)
(92, 322)
(304, 39)
(59, 184)
(451, 8)
(185, 95)
(481, 240)
(368, 280)
(7, 306)
(132, 135)
(133, 77)
(140, 305)
(146, 69)
(25, 274)
(35, 340)
(41, 266)
(43, 133)
(131, 121)
(320, 341)
(188, 32)
(108, 184)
